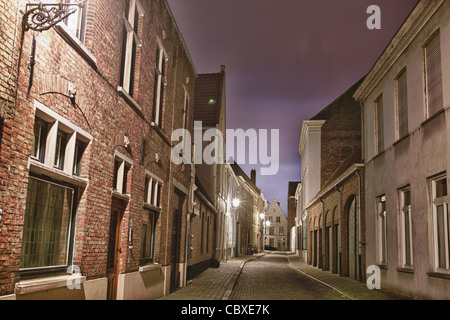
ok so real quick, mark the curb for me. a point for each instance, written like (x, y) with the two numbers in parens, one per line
(235, 277)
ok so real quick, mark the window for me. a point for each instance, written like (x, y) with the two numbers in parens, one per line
(122, 167)
(149, 219)
(433, 76)
(58, 145)
(281, 231)
(278, 219)
(441, 223)
(402, 105)
(382, 230)
(76, 22)
(39, 139)
(160, 84)
(131, 42)
(60, 150)
(47, 225)
(379, 125)
(271, 231)
(152, 191)
(405, 227)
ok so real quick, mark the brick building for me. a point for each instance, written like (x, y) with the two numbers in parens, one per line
(89, 194)
(332, 193)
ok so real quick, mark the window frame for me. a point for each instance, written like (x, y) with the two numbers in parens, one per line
(436, 202)
(405, 228)
(131, 43)
(382, 230)
(33, 272)
(428, 114)
(150, 232)
(379, 125)
(121, 175)
(401, 105)
(160, 85)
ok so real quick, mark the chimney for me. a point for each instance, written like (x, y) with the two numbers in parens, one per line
(253, 176)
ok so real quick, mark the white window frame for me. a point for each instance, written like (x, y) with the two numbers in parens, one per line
(382, 231)
(76, 22)
(122, 174)
(404, 222)
(160, 84)
(154, 185)
(443, 200)
(131, 38)
(57, 123)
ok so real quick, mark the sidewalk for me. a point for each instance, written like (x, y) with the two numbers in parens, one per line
(213, 284)
(353, 289)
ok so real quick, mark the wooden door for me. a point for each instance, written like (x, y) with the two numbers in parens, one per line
(114, 250)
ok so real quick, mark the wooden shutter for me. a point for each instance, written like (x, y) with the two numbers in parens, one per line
(379, 124)
(433, 74)
(402, 105)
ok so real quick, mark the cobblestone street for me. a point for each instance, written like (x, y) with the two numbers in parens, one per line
(275, 276)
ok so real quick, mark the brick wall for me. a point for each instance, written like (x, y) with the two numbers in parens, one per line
(108, 116)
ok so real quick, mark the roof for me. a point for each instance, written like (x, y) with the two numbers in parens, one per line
(355, 157)
(208, 98)
(292, 188)
(239, 172)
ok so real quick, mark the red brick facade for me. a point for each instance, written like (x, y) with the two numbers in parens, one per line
(109, 119)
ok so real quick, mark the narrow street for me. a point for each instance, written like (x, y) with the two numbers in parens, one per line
(270, 277)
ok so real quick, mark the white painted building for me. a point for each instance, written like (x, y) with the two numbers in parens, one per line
(406, 147)
(276, 232)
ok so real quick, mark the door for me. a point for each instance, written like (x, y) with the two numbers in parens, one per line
(114, 250)
(176, 238)
(352, 254)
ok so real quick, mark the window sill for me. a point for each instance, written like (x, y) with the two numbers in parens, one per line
(121, 196)
(160, 133)
(43, 284)
(130, 100)
(39, 168)
(438, 274)
(151, 207)
(79, 47)
(406, 270)
(149, 267)
(382, 266)
(433, 117)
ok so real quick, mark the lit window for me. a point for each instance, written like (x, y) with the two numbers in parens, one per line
(76, 22)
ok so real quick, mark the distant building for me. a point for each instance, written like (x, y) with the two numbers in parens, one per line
(292, 212)
(406, 146)
(276, 233)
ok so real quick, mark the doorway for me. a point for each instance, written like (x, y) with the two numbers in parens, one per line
(176, 242)
(114, 249)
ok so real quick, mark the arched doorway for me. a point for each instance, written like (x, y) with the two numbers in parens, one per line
(353, 263)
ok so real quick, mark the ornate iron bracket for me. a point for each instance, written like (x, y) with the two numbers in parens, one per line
(43, 16)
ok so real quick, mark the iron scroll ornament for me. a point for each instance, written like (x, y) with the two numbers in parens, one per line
(41, 17)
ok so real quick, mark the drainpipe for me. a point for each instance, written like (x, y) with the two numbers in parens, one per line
(338, 189)
(358, 221)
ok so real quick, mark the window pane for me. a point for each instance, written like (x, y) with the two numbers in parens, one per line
(46, 225)
(441, 188)
(407, 239)
(440, 236)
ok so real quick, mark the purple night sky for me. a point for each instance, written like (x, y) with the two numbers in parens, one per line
(285, 61)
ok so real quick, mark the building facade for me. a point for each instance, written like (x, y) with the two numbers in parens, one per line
(276, 235)
(405, 101)
(90, 197)
(331, 218)
(292, 213)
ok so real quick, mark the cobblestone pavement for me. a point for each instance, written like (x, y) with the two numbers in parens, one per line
(275, 276)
